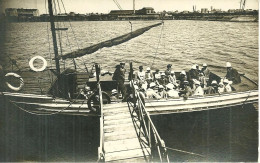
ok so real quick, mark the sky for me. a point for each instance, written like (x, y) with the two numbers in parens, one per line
(105, 6)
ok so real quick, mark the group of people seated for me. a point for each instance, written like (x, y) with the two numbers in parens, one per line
(195, 82)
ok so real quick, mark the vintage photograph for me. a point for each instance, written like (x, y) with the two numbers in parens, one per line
(129, 80)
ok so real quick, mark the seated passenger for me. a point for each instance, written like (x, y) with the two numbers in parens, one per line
(168, 70)
(198, 91)
(172, 78)
(157, 75)
(194, 76)
(161, 91)
(183, 77)
(113, 96)
(227, 87)
(221, 88)
(163, 80)
(148, 75)
(171, 92)
(232, 74)
(186, 91)
(213, 88)
(205, 72)
(140, 75)
(150, 93)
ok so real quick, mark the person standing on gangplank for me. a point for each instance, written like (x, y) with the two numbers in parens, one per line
(119, 77)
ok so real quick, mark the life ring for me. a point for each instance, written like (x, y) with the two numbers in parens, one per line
(17, 76)
(38, 69)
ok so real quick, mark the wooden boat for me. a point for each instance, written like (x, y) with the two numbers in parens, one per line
(50, 91)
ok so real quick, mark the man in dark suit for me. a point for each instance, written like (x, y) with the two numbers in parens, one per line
(232, 74)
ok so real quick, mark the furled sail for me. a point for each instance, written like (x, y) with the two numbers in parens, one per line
(108, 43)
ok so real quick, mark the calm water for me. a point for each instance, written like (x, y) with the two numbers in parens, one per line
(220, 135)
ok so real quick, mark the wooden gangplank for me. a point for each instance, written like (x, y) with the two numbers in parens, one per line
(122, 143)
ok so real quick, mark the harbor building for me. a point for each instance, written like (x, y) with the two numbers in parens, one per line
(20, 12)
(144, 13)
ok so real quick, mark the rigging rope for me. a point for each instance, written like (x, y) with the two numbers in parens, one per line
(184, 152)
(159, 41)
(86, 69)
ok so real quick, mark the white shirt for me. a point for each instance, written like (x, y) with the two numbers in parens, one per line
(141, 75)
(173, 93)
(228, 88)
(198, 91)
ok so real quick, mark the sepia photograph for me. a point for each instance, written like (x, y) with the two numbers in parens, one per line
(129, 80)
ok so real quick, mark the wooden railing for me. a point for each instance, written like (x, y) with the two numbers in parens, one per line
(101, 153)
(148, 127)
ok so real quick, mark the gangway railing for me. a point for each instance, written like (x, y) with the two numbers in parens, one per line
(148, 125)
(101, 151)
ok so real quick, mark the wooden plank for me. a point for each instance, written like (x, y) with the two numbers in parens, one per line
(121, 136)
(122, 145)
(117, 116)
(117, 121)
(121, 155)
(136, 160)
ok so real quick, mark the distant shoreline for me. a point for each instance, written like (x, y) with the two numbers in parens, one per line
(198, 17)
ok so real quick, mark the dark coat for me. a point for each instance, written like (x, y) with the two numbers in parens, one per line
(233, 75)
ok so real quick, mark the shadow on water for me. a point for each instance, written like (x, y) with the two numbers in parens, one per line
(226, 134)
(25, 137)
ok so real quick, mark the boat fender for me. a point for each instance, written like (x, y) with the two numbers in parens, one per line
(17, 76)
(38, 69)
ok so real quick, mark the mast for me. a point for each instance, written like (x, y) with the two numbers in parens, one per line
(54, 37)
(134, 6)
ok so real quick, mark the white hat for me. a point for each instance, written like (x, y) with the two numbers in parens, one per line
(114, 91)
(148, 68)
(197, 82)
(152, 85)
(228, 64)
(160, 86)
(183, 72)
(204, 65)
(226, 81)
(172, 72)
(162, 74)
(170, 86)
(87, 88)
(214, 82)
(186, 82)
(194, 67)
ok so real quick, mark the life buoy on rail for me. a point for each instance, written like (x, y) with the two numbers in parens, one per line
(17, 76)
(38, 69)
